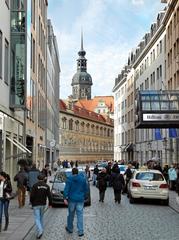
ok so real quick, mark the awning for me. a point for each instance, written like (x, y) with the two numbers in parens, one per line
(19, 145)
(129, 147)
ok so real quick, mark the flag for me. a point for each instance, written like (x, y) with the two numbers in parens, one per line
(172, 133)
(158, 135)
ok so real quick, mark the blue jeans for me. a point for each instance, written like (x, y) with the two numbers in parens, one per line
(4, 204)
(78, 208)
(38, 216)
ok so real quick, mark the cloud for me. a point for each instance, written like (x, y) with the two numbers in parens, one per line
(111, 29)
(138, 2)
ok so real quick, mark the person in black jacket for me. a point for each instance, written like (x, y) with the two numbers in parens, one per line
(118, 183)
(5, 191)
(102, 179)
(128, 174)
(38, 198)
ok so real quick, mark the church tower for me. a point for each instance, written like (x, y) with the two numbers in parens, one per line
(81, 81)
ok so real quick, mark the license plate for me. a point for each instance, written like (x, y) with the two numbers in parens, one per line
(150, 188)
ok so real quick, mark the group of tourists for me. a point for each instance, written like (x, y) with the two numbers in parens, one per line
(111, 176)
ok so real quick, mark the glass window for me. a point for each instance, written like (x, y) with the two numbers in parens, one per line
(17, 5)
(150, 176)
(18, 21)
(17, 69)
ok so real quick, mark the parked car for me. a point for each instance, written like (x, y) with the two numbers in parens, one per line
(58, 185)
(122, 168)
(148, 184)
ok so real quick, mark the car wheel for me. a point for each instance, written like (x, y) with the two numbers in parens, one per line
(131, 199)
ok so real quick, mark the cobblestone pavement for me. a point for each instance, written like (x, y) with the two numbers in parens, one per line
(111, 221)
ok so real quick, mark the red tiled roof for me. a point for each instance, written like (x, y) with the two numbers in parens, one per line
(93, 103)
(83, 112)
(62, 105)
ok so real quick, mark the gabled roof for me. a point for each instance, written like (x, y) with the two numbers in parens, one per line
(84, 113)
(92, 104)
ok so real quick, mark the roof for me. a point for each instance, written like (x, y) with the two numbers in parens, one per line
(92, 104)
(84, 113)
(82, 78)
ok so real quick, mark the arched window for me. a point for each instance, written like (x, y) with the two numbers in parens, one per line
(82, 126)
(77, 125)
(64, 120)
(71, 124)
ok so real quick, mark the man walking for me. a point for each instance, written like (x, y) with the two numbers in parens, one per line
(75, 191)
(21, 178)
(38, 197)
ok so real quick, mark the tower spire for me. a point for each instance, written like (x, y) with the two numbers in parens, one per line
(81, 39)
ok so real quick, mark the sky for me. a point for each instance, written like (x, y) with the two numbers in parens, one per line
(111, 29)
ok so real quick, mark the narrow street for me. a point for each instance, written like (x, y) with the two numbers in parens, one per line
(110, 221)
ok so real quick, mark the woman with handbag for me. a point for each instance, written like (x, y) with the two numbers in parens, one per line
(5, 195)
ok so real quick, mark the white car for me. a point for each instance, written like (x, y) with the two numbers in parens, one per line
(148, 184)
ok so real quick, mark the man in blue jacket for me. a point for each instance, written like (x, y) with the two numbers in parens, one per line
(75, 191)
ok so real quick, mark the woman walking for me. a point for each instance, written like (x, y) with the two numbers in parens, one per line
(118, 183)
(5, 191)
(102, 179)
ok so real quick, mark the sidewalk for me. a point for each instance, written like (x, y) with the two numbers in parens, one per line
(173, 204)
(20, 221)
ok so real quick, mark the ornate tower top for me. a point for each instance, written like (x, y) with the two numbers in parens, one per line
(82, 81)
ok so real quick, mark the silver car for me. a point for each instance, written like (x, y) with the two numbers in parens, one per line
(58, 185)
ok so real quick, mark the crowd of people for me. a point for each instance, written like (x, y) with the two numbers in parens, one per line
(34, 181)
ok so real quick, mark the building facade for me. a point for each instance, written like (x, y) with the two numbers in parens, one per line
(24, 99)
(85, 136)
(154, 66)
(52, 96)
(11, 122)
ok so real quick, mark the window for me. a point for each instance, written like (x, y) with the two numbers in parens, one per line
(160, 70)
(71, 124)
(6, 62)
(0, 54)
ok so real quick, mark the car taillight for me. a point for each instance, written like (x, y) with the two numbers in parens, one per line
(164, 185)
(135, 184)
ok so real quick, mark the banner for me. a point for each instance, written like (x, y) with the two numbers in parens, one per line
(172, 133)
(158, 135)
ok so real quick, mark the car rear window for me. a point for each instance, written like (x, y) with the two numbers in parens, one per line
(122, 168)
(62, 176)
(149, 176)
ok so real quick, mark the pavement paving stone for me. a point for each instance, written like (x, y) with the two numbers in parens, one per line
(102, 221)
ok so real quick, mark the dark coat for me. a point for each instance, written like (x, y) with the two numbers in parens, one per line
(21, 178)
(7, 189)
(102, 179)
(117, 181)
(39, 194)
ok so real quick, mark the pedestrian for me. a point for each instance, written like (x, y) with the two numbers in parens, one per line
(102, 179)
(71, 164)
(21, 178)
(32, 177)
(5, 191)
(87, 171)
(76, 163)
(172, 175)
(75, 191)
(165, 172)
(46, 171)
(95, 174)
(118, 183)
(38, 197)
(128, 174)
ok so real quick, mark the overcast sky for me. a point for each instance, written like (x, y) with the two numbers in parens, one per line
(111, 29)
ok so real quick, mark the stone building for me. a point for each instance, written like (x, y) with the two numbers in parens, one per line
(85, 136)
